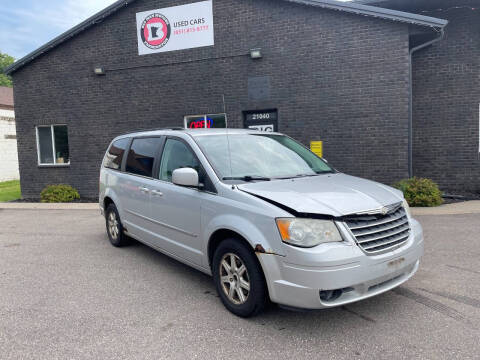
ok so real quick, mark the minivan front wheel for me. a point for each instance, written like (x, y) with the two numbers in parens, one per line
(114, 227)
(239, 279)
(234, 279)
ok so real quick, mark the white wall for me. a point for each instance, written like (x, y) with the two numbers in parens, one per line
(8, 146)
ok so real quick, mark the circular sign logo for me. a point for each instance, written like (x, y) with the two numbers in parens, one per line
(155, 31)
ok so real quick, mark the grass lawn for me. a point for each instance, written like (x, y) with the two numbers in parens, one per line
(10, 190)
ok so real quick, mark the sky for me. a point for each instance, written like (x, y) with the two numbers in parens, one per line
(25, 25)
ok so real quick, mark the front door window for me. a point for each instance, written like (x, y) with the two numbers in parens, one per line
(177, 155)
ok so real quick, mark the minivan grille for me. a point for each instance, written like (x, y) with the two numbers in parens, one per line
(380, 233)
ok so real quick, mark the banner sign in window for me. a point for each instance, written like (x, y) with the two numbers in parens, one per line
(317, 148)
(266, 120)
(175, 28)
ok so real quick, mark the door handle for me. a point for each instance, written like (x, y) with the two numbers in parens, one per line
(157, 193)
(144, 189)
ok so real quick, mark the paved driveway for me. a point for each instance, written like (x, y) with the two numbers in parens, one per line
(66, 293)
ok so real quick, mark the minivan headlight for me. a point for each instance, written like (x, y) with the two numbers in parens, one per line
(407, 208)
(307, 232)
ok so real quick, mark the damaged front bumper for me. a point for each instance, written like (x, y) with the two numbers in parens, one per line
(337, 274)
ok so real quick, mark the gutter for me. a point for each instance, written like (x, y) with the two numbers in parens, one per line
(440, 37)
(374, 11)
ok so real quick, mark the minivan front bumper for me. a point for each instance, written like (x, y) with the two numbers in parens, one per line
(299, 278)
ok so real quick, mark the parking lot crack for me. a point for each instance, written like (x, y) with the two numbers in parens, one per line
(364, 317)
(458, 298)
(463, 269)
(430, 303)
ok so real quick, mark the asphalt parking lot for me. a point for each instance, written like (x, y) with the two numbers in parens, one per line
(66, 293)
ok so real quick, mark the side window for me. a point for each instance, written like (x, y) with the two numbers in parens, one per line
(52, 145)
(142, 156)
(177, 155)
(114, 157)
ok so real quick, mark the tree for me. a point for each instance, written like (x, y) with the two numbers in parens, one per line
(5, 60)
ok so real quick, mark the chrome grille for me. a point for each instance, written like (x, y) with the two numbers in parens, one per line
(380, 233)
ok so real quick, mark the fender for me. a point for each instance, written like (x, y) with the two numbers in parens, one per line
(109, 192)
(247, 229)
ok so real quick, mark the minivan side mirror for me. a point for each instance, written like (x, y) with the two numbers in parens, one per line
(185, 177)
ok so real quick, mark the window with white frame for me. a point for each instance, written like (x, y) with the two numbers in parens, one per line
(52, 145)
(208, 121)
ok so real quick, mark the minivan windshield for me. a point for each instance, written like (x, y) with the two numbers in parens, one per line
(251, 157)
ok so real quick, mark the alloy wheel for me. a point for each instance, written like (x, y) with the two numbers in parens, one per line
(113, 225)
(234, 279)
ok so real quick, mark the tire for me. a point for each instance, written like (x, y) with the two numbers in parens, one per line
(230, 283)
(114, 227)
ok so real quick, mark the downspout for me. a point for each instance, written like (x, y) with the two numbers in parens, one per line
(410, 100)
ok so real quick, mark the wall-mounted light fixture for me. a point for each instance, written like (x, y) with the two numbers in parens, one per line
(256, 53)
(99, 71)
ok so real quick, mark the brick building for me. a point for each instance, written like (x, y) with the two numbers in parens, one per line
(8, 139)
(446, 94)
(313, 69)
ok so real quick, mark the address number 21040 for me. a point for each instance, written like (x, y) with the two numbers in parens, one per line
(264, 116)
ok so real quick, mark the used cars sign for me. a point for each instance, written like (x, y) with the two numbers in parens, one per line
(175, 28)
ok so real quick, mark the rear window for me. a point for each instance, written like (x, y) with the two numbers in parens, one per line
(142, 156)
(114, 157)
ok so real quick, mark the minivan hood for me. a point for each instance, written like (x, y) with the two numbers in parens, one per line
(333, 194)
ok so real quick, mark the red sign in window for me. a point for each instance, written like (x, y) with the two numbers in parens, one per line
(206, 121)
(200, 124)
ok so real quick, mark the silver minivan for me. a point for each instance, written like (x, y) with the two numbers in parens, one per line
(267, 218)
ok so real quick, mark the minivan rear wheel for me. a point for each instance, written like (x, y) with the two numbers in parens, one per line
(114, 227)
(238, 278)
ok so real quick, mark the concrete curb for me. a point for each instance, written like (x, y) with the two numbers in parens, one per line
(41, 206)
(467, 207)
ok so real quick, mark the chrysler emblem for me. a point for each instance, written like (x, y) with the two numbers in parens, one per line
(384, 210)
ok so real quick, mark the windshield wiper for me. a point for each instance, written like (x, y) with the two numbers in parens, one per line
(325, 172)
(307, 175)
(297, 176)
(247, 178)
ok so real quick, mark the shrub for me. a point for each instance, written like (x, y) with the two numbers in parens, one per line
(420, 192)
(59, 194)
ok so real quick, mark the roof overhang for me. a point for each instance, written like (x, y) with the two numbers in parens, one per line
(373, 11)
(369, 2)
(349, 7)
